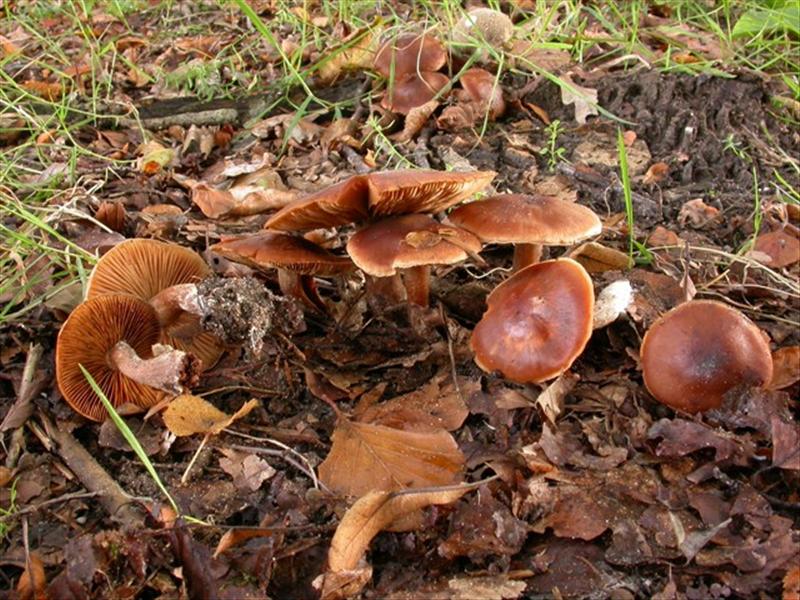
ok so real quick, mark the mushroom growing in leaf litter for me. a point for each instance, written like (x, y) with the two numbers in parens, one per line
(296, 259)
(411, 243)
(538, 321)
(529, 222)
(380, 194)
(165, 275)
(698, 351)
(113, 337)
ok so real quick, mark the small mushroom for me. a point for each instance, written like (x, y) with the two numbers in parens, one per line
(113, 337)
(296, 259)
(698, 351)
(380, 194)
(411, 243)
(413, 90)
(408, 54)
(165, 276)
(485, 25)
(528, 221)
(537, 322)
(480, 88)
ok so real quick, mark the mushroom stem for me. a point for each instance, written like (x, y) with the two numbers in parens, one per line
(390, 288)
(301, 287)
(526, 255)
(169, 371)
(171, 303)
(417, 281)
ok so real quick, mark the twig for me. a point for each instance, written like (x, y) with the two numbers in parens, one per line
(94, 478)
(39, 506)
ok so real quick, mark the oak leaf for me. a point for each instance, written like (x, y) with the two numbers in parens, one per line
(187, 415)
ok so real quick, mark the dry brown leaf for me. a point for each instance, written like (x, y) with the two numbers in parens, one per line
(662, 236)
(551, 400)
(437, 404)
(780, 248)
(153, 157)
(415, 121)
(584, 99)
(350, 55)
(249, 471)
(597, 258)
(32, 582)
(697, 213)
(376, 511)
(44, 89)
(485, 588)
(656, 173)
(785, 367)
(241, 201)
(791, 584)
(187, 415)
(341, 585)
(365, 457)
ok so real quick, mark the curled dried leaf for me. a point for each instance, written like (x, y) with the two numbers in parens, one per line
(188, 414)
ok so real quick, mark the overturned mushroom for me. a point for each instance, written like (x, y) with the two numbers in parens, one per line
(165, 275)
(529, 222)
(537, 322)
(380, 194)
(296, 259)
(112, 337)
(698, 351)
(411, 243)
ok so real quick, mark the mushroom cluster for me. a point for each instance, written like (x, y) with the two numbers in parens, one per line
(398, 233)
(138, 333)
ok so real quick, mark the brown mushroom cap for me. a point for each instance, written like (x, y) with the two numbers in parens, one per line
(383, 193)
(143, 268)
(402, 192)
(87, 337)
(537, 322)
(339, 204)
(409, 241)
(698, 351)
(411, 53)
(268, 249)
(413, 90)
(525, 219)
(480, 86)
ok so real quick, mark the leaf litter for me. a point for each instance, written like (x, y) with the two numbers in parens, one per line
(360, 463)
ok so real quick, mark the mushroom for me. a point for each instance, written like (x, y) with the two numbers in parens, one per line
(112, 337)
(699, 350)
(413, 90)
(537, 322)
(486, 25)
(165, 276)
(411, 243)
(409, 53)
(528, 221)
(380, 194)
(296, 259)
(480, 88)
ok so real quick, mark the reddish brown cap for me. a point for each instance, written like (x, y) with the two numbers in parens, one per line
(782, 248)
(410, 53)
(340, 204)
(524, 219)
(480, 86)
(383, 193)
(409, 241)
(268, 249)
(413, 90)
(144, 268)
(401, 192)
(537, 322)
(87, 337)
(698, 351)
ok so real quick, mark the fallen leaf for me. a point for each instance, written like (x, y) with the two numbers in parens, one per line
(376, 511)
(697, 214)
(187, 415)
(551, 400)
(238, 202)
(485, 588)
(662, 236)
(32, 583)
(153, 157)
(680, 437)
(656, 173)
(584, 99)
(612, 302)
(785, 367)
(44, 89)
(365, 457)
(597, 258)
(355, 53)
(577, 515)
(249, 471)
(415, 121)
(436, 405)
(791, 584)
(780, 248)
